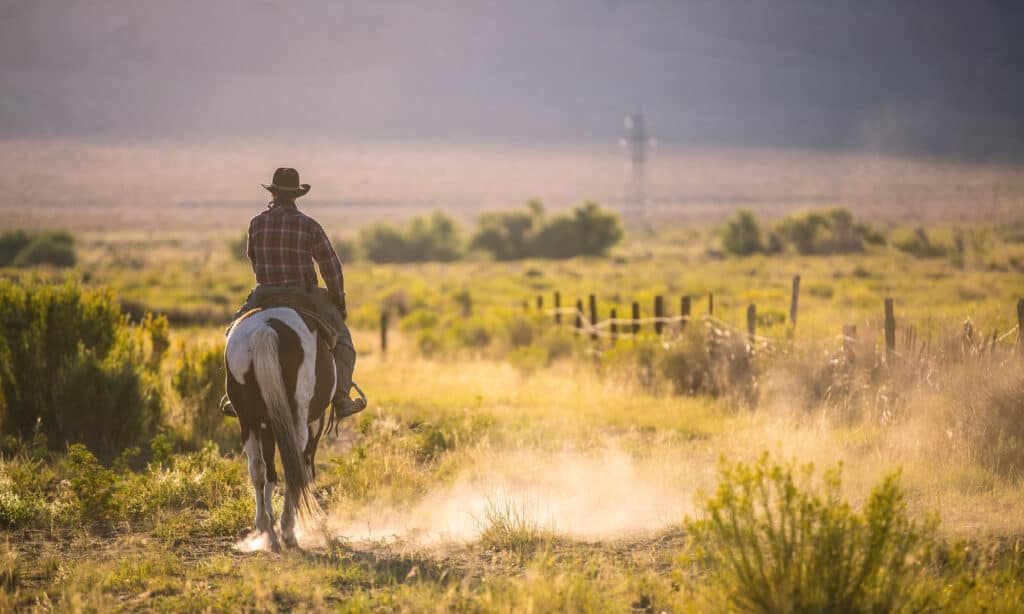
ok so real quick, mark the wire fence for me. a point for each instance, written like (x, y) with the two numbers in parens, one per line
(614, 328)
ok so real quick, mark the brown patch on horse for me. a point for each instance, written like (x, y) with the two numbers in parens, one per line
(290, 355)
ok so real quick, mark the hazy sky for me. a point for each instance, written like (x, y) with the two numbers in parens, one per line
(933, 76)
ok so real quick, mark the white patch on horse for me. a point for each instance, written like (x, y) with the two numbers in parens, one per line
(239, 355)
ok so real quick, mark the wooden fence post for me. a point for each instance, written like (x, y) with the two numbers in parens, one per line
(794, 301)
(659, 312)
(593, 317)
(1020, 326)
(711, 304)
(614, 327)
(890, 330)
(636, 318)
(684, 310)
(751, 323)
(579, 313)
(384, 331)
(558, 307)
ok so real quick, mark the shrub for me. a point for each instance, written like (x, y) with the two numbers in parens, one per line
(773, 544)
(831, 231)
(17, 509)
(198, 380)
(21, 249)
(238, 247)
(587, 230)
(347, 249)
(919, 244)
(72, 368)
(434, 238)
(94, 485)
(686, 363)
(742, 234)
(11, 243)
(505, 234)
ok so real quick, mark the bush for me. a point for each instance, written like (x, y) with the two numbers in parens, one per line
(587, 230)
(239, 246)
(347, 249)
(17, 509)
(427, 239)
(773, 544)
(94, 485)
(11, 244)
(505, 234)
(742, 234)
(71, 367)
(20, 249)
(830, 231)
(919, 244)
(198, 380)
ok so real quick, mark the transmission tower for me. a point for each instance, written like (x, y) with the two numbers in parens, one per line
(637, 143)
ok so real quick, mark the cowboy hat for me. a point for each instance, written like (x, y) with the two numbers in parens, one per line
(286, 183)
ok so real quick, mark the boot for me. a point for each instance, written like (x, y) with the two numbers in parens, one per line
(344, 363)
(345, 406)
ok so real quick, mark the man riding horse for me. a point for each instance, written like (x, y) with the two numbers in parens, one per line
(282, 245)
(287, 353)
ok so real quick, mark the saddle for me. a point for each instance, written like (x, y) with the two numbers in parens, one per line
(326, 339)
(307, 309)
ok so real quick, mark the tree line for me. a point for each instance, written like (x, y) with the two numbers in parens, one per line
(526, 232)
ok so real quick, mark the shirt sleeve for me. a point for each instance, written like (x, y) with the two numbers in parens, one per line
(327, 260)
(250, 250)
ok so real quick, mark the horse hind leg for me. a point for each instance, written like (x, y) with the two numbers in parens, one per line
(258, 475)
(289, 513)
(267, 438)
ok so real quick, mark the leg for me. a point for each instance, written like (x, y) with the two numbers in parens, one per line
(345, 364)
(267, 438)
(258, 474)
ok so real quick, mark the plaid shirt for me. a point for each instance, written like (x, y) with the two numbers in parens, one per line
(282, 245)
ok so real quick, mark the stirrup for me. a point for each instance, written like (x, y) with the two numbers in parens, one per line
(347, 406)
(227, 408)
(354, 406)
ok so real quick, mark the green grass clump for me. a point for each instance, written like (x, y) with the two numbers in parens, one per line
(772, 543)
(16, 510)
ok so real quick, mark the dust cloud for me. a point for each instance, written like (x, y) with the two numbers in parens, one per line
(585, 495)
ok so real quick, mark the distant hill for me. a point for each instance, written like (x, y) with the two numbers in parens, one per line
(939, 77)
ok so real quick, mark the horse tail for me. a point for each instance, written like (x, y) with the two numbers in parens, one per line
(267, 367)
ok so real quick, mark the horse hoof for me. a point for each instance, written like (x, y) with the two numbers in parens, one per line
(291, 542)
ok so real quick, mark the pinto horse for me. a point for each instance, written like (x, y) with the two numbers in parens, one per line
(280, 380)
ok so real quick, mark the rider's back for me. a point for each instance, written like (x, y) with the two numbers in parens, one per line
(282, 245)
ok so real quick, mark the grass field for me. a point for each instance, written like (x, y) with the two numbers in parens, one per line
(509, 464)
